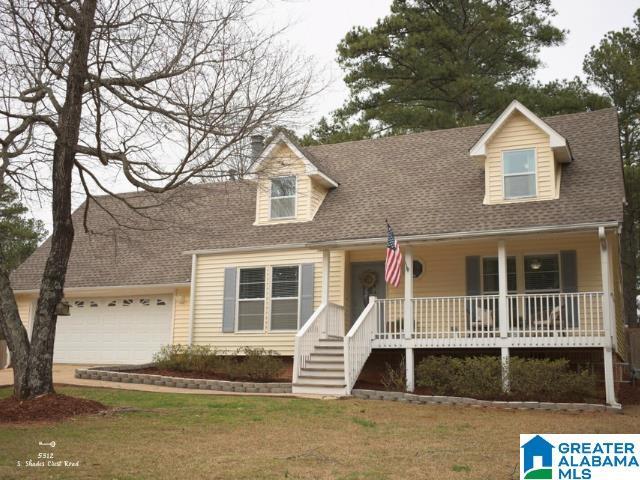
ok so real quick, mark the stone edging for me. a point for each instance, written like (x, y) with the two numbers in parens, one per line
(432, 399)
(120, 374)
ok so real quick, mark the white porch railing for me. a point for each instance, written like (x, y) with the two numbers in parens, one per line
(464, 316)
(556, 315)
(553, 319)
(327, 320)
(358, 343)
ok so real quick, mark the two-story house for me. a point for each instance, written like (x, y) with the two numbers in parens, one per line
(509, 234)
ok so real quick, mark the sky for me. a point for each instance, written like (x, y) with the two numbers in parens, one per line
(315, 28)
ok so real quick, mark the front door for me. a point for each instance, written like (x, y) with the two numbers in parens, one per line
(367, 279)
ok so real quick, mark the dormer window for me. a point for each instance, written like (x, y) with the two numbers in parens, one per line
(283, 197)
(519, 173)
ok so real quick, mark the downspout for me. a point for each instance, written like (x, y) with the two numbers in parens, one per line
(192, 297)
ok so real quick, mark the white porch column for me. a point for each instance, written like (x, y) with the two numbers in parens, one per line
(609, 387)
(605, 270)
(326, 270)
(408, 294)
(504, 353)
(410, 367)
(503, 309)
(607, 318)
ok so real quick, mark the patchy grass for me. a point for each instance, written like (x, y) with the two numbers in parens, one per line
(364, 422)
(219, 437)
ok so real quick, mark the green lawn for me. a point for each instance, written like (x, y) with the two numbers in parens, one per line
(206, 436)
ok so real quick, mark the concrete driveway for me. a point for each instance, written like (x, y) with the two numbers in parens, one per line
(65, 374)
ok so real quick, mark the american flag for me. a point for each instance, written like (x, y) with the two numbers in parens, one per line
(393, 264)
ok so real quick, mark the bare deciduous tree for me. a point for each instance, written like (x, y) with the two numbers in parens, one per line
(164, 91)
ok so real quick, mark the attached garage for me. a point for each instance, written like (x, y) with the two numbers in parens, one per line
(118, 330)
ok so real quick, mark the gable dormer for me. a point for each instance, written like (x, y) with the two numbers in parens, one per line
(290, 187)
(521, 156)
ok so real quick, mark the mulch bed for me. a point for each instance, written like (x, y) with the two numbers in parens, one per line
(47, 408)
(285, 376)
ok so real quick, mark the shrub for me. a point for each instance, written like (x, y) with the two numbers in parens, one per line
(395, 379)
(255, 364)
(479, 377)
(529, 379)
(436, 374)
(552, 380)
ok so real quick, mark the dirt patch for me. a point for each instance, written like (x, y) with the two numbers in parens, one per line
(48, 408)
(285, 376)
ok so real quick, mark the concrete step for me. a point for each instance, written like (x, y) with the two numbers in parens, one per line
(323, 372)
(320, 390)
(336, 381)
(326, 357)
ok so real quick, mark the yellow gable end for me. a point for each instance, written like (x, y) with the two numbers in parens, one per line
(519, 133)
(309, 194)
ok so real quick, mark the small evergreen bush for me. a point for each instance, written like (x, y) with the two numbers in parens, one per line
(246, 363)
(529, 379)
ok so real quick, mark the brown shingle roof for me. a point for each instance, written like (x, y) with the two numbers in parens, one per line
(424, 183)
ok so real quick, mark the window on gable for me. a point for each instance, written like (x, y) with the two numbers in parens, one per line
(542, 273)
(490, 280)
(283, 197)
(251, 299)
(519, 170)
(284, 298)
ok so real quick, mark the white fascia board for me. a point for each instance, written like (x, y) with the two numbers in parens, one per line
(557, 142)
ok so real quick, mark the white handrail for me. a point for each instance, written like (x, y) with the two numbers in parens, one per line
(358, 343)
(306, 339)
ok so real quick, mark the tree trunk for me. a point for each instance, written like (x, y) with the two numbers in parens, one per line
(628, 252)
(14, 333)
(33, 365)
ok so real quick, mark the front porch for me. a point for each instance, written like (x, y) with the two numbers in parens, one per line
(542, 291)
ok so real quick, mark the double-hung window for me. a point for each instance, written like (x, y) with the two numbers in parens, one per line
(251, 297)
(542, 273)
(490, 278)
(283, 197)
(519, 173)
(284, 298)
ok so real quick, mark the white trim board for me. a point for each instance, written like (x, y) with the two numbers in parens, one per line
(558, 143)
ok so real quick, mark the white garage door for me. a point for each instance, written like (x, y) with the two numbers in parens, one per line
(113, 330)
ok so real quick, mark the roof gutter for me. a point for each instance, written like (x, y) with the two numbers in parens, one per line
(116, 289)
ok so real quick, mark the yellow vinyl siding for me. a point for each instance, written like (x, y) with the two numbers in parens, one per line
(309, 195)
(444, 263)
(25, 309)
(181, 317)
(209, 296)
(445, 270)
(518, 133)
(318, 192)
(616, 286)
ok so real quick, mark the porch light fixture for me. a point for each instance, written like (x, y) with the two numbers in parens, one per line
(535, 264)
